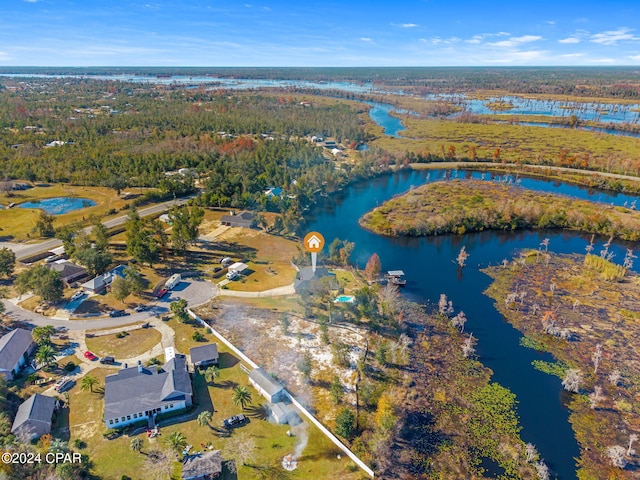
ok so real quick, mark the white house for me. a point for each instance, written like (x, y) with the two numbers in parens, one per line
(266, 385)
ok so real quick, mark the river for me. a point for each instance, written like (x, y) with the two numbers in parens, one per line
(429, 266)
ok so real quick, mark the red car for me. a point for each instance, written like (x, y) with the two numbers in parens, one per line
(90, 356)
(162, 292)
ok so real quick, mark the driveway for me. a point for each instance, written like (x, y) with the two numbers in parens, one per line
(195, 292)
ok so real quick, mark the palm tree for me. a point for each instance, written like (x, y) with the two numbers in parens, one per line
(45, 355)
(204, 418)
(136, 445)
(176, 442)
(241, 396)
(88, 382)
(211, 373)
(42, 335)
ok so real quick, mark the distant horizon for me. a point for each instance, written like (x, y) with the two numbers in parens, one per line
(285, 67)
(266, 33)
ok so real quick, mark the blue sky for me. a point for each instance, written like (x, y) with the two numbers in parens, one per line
(313, 33)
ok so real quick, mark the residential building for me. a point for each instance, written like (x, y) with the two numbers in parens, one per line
(266, 385)
(202, 466)
(243, 219)
(100, 283)
(137, 393)
(204, 355)
(69, 272)
(15, 348)
(34, 417)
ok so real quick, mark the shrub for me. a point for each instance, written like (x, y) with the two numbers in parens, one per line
(70, 366)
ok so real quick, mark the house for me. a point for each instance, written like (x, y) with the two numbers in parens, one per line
(69, 272)
(337, 152)
(204, 355)
(266, 385)
(15, 348)
(100, 283)
(34, 417)
(273, 192)
(237, 267)
(330, 144)
(202, 466)
(244, 219)
(136, 393)
(284, 413)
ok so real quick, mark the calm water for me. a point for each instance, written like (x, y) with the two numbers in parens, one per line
(430, 271)
(59, 205)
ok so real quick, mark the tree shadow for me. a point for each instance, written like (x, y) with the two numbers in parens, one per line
(260, 412)
(226, 360)
(226, 385)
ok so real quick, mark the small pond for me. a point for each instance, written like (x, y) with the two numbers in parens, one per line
(59, 205)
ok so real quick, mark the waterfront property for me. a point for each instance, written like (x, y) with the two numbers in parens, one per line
(136, 393)
(15, 348)
(266, 385)
(204, 355)
(34, 417)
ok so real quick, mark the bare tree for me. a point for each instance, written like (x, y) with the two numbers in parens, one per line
(467, 347)
(572, 380)
(596, 396)
(589, 248)
(575, 304)
(241, 447)
(614, 377)
(616, 454)
(604, 253)
(552, 288)
(596, 357)
(545, 243)
(505, 263)
(459, 320)
(542, 470)
(534, 308)
(628, 259)
(531, 452)
(632, 438)
(461, 259)
(445, 307)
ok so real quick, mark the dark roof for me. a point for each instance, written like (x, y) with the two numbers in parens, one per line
(37, 408)
(204, 353)
(201, 464)
(12, 346)
(67, 269)
(132, 391)
(243, 218)
(306, 277)
(266, 381)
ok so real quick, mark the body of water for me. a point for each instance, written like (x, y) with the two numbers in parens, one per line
(59, 205)
(428, 263)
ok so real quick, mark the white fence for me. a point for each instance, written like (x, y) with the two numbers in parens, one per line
(298, 405)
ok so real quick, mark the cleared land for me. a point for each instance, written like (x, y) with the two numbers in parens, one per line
(135, 342)
(589, 311)
(469, 206)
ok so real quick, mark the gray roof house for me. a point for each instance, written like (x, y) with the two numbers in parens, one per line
(34, 417)
(136, 393)
(284, 413)
(204, 355)
(266, 385)
(244, 219)
(202, 466)
(69, 272)
(15, 348)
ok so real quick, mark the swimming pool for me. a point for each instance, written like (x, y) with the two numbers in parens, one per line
(345, 299)
(59, 205)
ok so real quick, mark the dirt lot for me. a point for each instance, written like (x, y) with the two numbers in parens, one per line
(257, 331)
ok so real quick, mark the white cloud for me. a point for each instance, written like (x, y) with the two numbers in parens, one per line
(32, 1)
(515, 41)
(478, 38)
(366, 39)
(551, 22)
(569, 40)
(409, 25)
(612, 37)
(440, 41)
(517, 57)
(634, 57)
(572, 55)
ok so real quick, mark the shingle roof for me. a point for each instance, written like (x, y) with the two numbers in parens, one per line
(130, 391)
(12, 347)
(201, 464)
(204, 353)
(67, 269)
(266, 381)
(36, 409)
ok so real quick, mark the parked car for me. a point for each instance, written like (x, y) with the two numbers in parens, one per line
(162, 292)
(117, 313)
(141, 308)
(235, 420)
(77, 295)
(64, 384)
(107, 360)
(90, 355)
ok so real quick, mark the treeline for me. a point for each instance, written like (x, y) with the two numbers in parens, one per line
(472, 206)
(152, 131)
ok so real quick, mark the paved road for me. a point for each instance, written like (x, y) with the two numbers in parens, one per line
(25, 251)
(195, 292)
